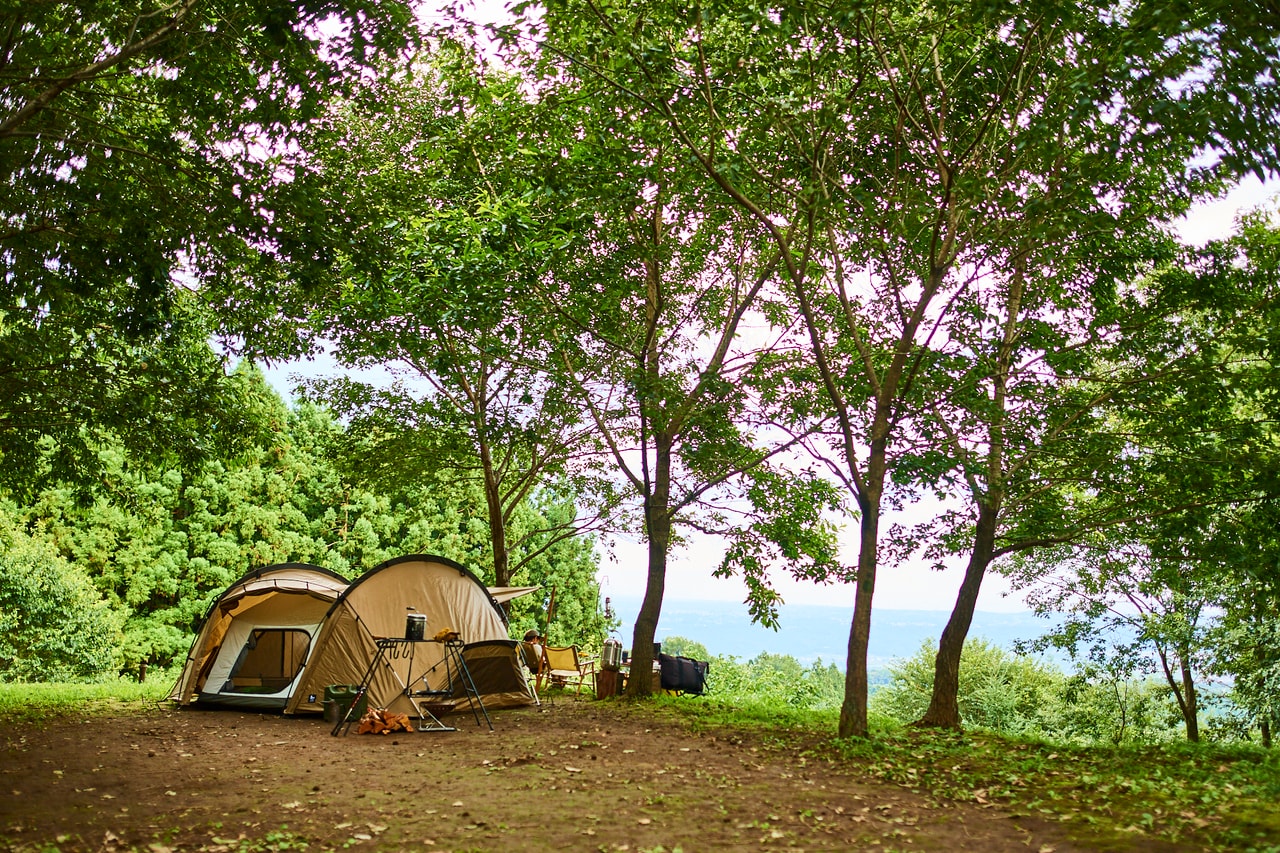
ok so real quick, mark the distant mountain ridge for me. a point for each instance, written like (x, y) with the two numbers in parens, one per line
(811, 632)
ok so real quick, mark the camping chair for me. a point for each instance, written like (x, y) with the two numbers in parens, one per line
(562, 666)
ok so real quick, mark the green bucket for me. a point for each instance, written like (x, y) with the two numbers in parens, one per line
(343, 695)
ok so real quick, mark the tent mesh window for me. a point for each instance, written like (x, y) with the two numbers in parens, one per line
(269, 661)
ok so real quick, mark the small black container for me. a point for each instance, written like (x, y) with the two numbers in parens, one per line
(415, 627)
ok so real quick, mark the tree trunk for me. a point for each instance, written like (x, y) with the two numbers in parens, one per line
(1122, 703)
(853, 711)
(1184, 689)
(657, 522)
(497, 523)
(1191, 706)
(944, 704)
(1264, 727)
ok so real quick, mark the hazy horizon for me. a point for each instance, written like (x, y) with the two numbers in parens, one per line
(812, 632)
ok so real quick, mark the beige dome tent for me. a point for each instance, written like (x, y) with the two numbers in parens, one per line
(254, 643)
(376, 605)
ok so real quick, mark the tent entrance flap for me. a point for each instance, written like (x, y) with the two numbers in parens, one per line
(269, 661)
(252, 648)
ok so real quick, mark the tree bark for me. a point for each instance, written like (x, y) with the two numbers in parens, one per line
(497, 521)
(1191, 707)
(944, 704)
(853, 710)
(1122, 702)
(1183, 688)
(657, 522)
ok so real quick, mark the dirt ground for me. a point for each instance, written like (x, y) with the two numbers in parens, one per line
(576, 775)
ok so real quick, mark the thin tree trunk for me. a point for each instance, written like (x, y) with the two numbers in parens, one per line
(1191, 709)
(1264, 727)
(1184, 691)
(853, 711)
(944, 704)
(1122, 702)
(658, 530)
(497, 524)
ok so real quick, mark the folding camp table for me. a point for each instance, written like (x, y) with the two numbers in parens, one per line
(456, 676)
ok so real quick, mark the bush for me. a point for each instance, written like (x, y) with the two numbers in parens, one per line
(1019, 696)
(1098, 708)
(998, 691)
(54, 626)
(685, 648)
(765, 680)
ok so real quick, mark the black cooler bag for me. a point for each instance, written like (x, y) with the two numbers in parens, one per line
(683, 674)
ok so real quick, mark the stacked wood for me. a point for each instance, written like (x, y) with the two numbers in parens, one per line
(379, 721)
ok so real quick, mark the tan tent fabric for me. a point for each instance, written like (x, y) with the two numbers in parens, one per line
(287, 595)
(496, 670)
(503, 594)
(376, 606)
(332, 626)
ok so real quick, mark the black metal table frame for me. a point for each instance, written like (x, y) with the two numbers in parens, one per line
(455, 665)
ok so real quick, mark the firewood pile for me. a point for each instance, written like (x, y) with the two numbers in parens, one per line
(379, 721)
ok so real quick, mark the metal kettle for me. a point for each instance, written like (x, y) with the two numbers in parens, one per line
(611, 655)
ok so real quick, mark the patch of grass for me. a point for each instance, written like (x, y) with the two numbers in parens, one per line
(1216, 797)
(1219, 797)
(31, 702)
(706, 713)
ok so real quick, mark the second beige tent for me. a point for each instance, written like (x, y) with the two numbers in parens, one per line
(376, 606)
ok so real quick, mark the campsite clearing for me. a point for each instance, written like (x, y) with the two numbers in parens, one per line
(578, 775)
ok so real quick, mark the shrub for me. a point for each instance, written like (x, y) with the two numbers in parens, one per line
(1095, 707)
(999, 691)
(54, 626)
(767, 679)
